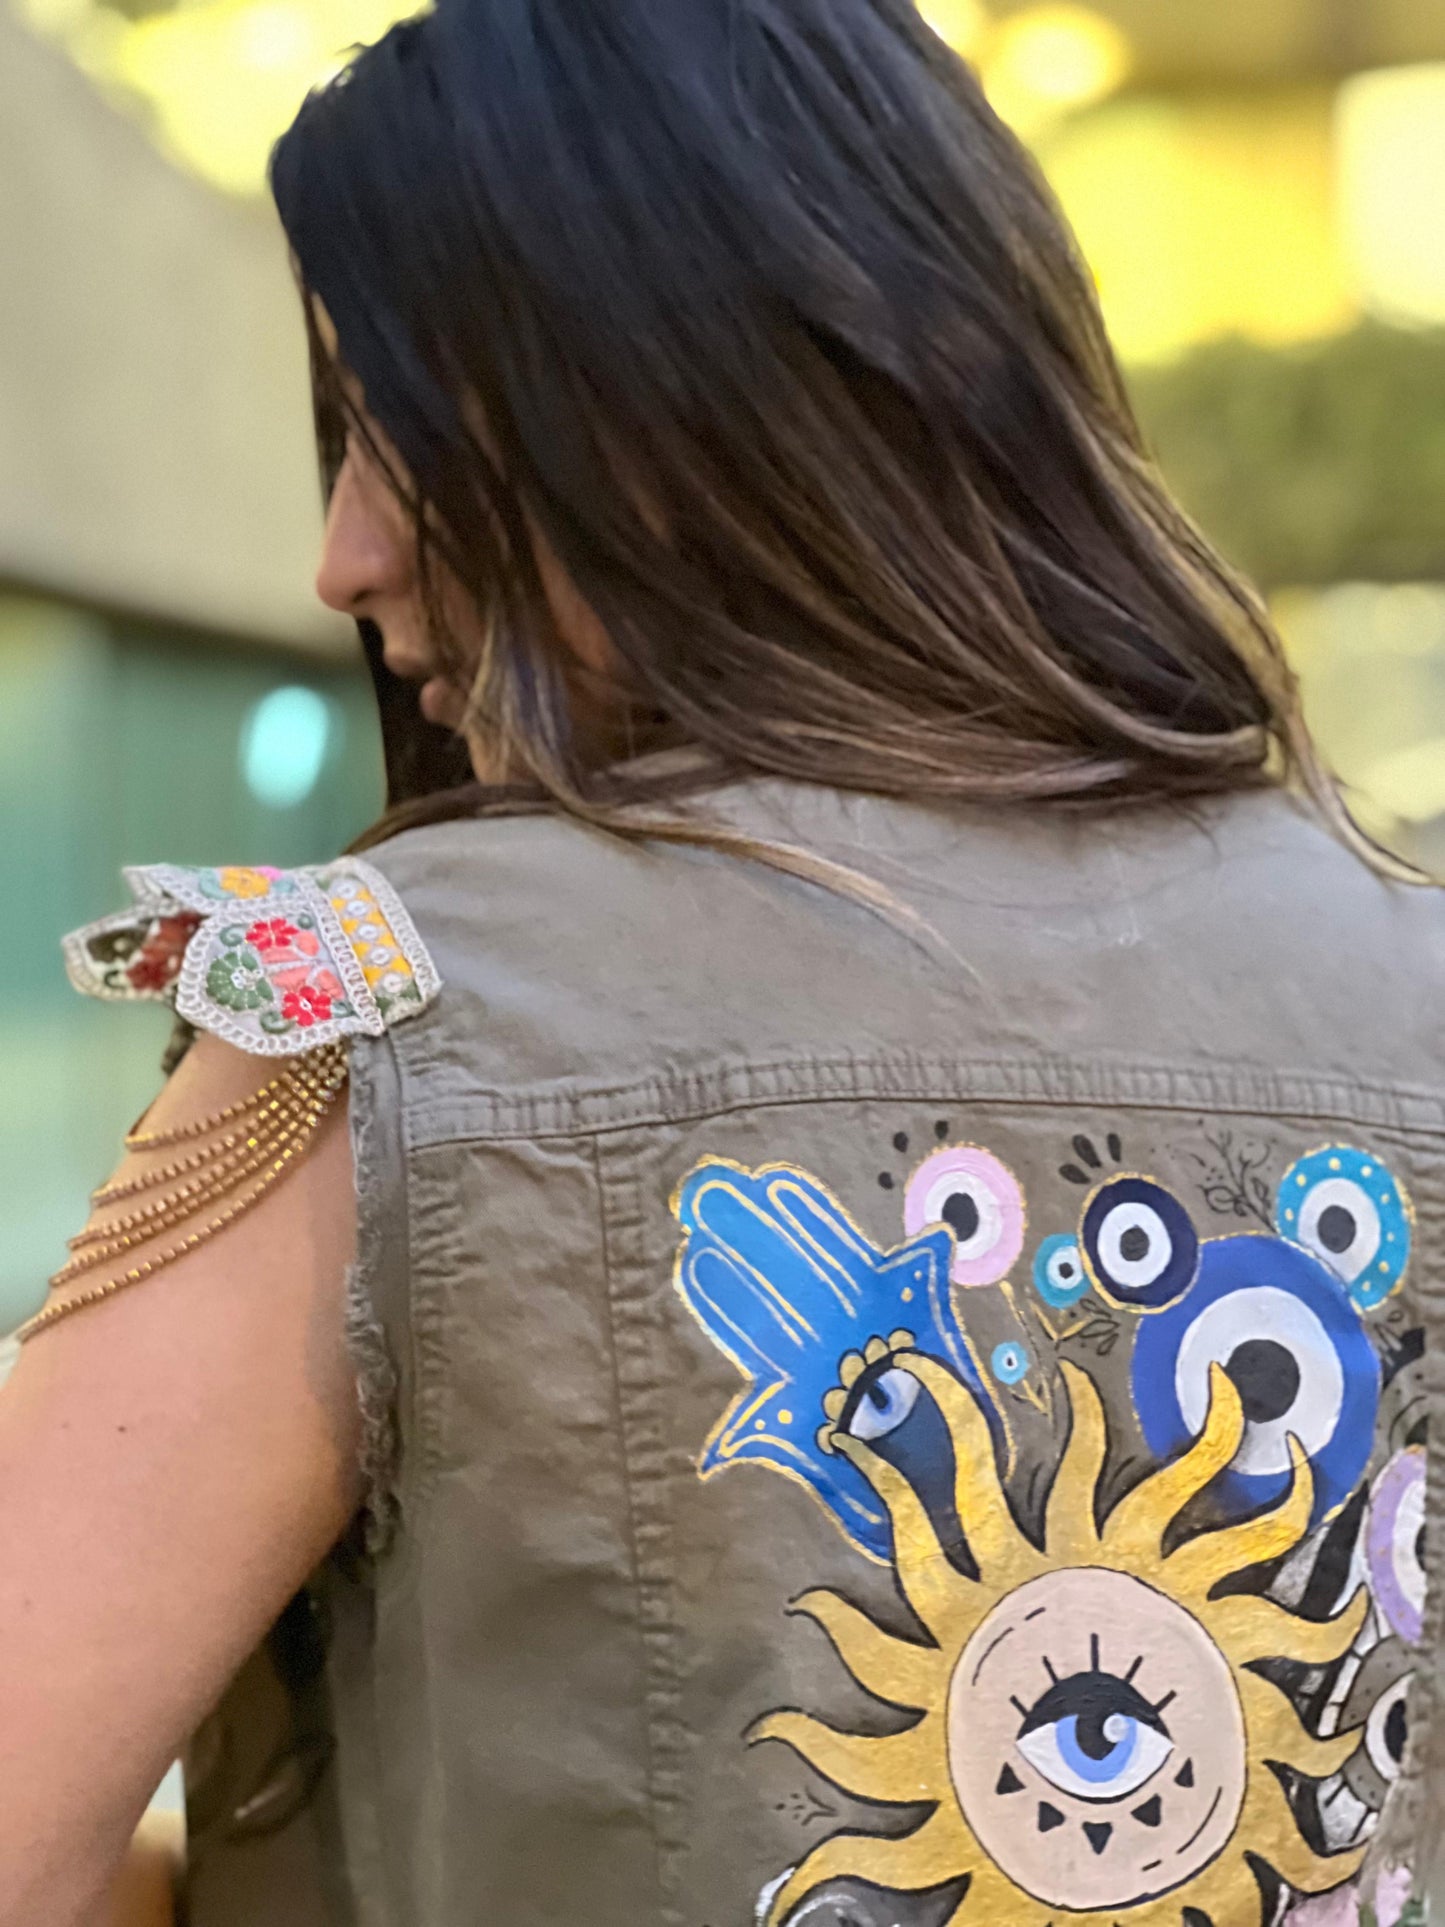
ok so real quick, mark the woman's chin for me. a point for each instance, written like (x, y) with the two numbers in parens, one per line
(441, 703)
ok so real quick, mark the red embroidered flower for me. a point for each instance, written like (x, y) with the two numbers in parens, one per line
(272, 933)
(307, 1005)
(157, 964)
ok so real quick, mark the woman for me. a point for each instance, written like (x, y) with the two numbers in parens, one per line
(890, 1092)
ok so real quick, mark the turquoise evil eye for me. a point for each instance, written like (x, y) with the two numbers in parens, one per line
(1010, 1362)
(1343, 1205)
(1059, 1275)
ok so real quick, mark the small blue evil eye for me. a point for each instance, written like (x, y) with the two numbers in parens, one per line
(1059, 1275)
(1010, 1362)
(1344, 1206)
(1140, 1247)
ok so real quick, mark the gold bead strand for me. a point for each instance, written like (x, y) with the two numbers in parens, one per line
(138, 1227)
(139, 1140)
(321, 1077)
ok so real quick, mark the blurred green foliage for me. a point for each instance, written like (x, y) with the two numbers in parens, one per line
(1314, 464)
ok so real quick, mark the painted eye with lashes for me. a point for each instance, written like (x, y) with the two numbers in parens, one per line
(879, 1402)
(1096, 1736)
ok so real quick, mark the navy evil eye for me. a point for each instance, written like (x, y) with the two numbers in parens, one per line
(1344, 1206)
(1095, 1736)
(1139, 1245)
(1059, 1275)
(1295, 1348)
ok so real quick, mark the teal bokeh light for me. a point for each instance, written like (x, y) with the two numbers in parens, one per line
(284, 745)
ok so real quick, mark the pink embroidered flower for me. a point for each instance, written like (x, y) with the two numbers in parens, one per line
(157, 964)
(306, 1006)
(271, 934)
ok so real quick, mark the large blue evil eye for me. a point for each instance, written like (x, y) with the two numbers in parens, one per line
(1344, 1206)
(1059, 1275)
(1140, 1247)
(1286, 1333)
(1095, 1736)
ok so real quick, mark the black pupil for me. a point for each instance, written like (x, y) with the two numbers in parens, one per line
(1396, 1730)
(1420, 1548)
(1134, 1244)
(1066, 1268)
(1267, 1378)
(1336, 1228)
(960, 1214)
(878, 1394)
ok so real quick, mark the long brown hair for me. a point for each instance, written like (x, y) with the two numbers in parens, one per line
(780, 338)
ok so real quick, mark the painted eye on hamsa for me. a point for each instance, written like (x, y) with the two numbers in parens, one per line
(810, 1310)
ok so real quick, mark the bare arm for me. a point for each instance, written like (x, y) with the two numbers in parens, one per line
(173, 1463)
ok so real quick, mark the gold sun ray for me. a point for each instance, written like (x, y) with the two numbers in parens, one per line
(1007, 1811)
(1133, 1530)
(930, 1584)
(1198, 1566)
(1277, 1733)
(1069, 1529)
(893, 1670)
(1252, 1628)
(911, 1863)
(1268, 1819)
(983, 1511)
(899, 1768)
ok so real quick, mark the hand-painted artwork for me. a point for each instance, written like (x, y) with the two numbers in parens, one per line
(1157, 1508)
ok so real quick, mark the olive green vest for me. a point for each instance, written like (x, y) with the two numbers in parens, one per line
(896, 1423)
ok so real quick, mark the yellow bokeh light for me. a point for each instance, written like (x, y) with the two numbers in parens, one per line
(1391, 159)
(1204, 217)
(962, 23)
(1050, 60)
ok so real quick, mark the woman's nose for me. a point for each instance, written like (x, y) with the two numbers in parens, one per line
(364, 553)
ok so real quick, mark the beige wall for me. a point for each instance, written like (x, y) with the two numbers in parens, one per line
(155, 447)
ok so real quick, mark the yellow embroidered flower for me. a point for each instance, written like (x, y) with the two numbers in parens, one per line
(244, 883)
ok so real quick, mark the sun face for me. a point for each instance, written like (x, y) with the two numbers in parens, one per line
(1092, 1739)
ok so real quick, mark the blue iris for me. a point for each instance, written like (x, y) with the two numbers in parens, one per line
(1121, 1731)
(1059, 1275)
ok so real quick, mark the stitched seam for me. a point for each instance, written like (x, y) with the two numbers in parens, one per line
(630, 1487)
(634, 1383)
(545, 1114)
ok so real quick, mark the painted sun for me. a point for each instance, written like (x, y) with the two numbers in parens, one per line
(1092, 1737)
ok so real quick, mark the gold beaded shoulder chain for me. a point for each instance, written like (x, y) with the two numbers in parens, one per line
(231, 1158)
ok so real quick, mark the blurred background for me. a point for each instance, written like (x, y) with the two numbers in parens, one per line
(1259, 186)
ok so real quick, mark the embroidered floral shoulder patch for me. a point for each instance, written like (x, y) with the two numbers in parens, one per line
(274, 961)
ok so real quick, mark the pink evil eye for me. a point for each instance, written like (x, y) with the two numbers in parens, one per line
(967, 1189)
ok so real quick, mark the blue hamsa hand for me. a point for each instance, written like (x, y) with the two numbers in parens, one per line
(812, 1313)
